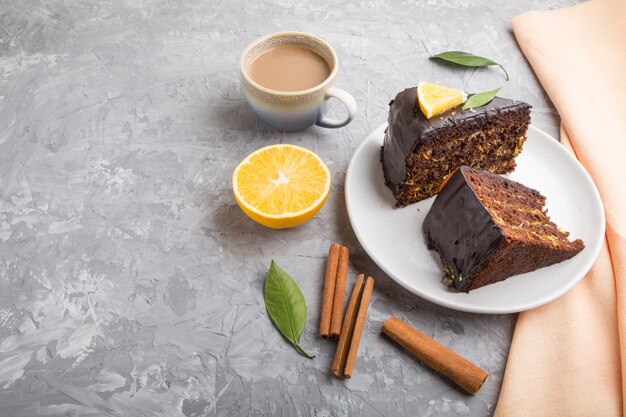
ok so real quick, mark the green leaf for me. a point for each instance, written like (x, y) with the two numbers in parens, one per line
(480, 99)
(468, 60)
(285, 305)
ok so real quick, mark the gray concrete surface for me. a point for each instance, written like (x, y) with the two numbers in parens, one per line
(130, 281)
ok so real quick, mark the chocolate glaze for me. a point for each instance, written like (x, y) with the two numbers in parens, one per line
(460, 229)
(408, 127)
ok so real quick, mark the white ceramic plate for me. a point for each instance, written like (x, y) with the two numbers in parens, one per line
(393, 236)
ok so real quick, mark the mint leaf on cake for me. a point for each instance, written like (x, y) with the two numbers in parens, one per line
(480, 99)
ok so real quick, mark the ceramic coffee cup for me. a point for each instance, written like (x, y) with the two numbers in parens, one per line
(295, 110)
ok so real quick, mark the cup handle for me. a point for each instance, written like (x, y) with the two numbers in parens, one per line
(347, 100)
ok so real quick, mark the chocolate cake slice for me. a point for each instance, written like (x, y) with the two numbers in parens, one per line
(419, 154)
(487, 228)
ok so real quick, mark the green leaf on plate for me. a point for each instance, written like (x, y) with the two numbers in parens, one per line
(480, 99)
(285, 305)
(468, 60)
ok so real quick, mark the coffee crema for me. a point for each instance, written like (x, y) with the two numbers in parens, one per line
(289, 68)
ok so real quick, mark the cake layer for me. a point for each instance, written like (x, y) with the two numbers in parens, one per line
(487, 228)
(419, 154)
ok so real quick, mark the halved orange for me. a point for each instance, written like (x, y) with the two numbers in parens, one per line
(435, 99)
(281, 186)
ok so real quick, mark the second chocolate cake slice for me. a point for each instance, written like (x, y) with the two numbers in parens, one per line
(419, 154)
(487, 228)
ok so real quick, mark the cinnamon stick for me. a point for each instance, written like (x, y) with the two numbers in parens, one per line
(329, 289)
(445, 361)
(358, 327)
(340, 293)
(349, 320)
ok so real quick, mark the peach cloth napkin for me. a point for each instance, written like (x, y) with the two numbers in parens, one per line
(568, 358)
